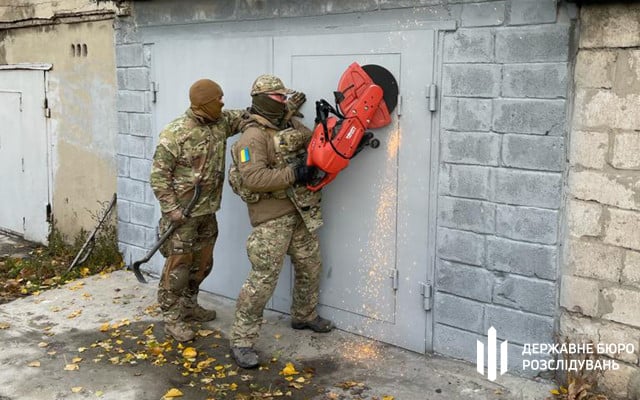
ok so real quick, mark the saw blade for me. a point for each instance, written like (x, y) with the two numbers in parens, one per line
(385, 79)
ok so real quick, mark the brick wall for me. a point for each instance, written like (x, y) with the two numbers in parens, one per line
(600, 294)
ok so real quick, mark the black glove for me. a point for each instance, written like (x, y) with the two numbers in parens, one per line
(304, 173)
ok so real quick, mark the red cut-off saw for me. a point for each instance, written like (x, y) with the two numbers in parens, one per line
(365, 98)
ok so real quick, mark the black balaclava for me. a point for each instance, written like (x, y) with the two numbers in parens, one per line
(268, 108)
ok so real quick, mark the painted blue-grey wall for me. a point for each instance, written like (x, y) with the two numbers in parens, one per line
(503, 124)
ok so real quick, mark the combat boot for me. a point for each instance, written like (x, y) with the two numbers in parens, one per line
(179, 330)
(192, 311)
(318, 324)
(246, 357)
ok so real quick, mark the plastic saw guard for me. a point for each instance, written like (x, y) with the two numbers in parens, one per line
(365, 98)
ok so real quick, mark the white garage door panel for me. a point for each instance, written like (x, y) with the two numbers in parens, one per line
(11, 212)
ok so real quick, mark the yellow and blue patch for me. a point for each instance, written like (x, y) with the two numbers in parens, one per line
(245, 155)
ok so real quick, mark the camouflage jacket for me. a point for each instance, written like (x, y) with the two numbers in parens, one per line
(188, 148)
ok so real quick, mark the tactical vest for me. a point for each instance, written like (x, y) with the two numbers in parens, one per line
(290, 145)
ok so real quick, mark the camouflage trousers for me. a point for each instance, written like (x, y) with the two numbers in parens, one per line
(189, 253)
(267, 246)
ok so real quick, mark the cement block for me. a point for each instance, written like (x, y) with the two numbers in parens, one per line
(591, 259)
(530, 12)
(123, 122)
(463, 280)
(521, 258)
(535, 80)
(462, 114)
(129, 189)
(471, 80)
(527, 224)
(466, 247)
(579, 329)
(544, 153)
(483, 14)
(131, 101)
(583, 218)
(538, 117)
(469, 46)
(617, 25)
(123, 165)
(627, 78)
(121, 78)
(469, 215)
(595, 68)
(631, 269)
(526, 294)
(527, 188)
(606, 188)
(198, 11)
(149, 148)
(465, 181)
(141, 124)
(623, 383)
(458, 312)
(612, 333)
(622, 229)
(470, 148)
(517, 326)
(124, 210)
(140, 169)
(580, 295)
(143, 214)
(532, 44)
(602, 109)
(137, 78)
(132, 146)
(149, 196)
(293, 8)
(132, 234)
(626, 147)
(129, 55)
(589, 149)
(125, 31)
(621, 305)
(455, 343)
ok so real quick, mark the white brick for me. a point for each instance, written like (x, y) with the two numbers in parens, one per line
(626, 150)
(623, 229)
(589, 149)
(584, 218)
(616, 190)
(616, 25)
(616, 382)
(615, 333)
(631, 269)
(591, 259)
(595, 69)
(604, 109)
(621, 305)
(573, 298)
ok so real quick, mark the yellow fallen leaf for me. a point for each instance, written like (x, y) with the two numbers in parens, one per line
(81, 349)
(74, 314)
(277, 336)
(554, 391)
(300, 380)
(4, 325)
(104, 327)
(296, 385)
(84, 271)
(233, 386)
(34, 364)
(189, 352)
(76, 360)
(43, 344)
(387, 397)
(173, 392)
(289, 369)
(71, 367)
(99, 393)
(76, 389)
(204, 332)
(52, 352)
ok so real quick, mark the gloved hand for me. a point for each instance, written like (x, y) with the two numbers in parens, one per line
(295, 101)
(176, 216)
(304, 173)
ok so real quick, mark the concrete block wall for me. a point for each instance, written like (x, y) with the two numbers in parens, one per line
(600, 292)
(136, 131)
(502, 157)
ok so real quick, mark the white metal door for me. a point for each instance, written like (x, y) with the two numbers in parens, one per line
(374, 241)
(23, 154)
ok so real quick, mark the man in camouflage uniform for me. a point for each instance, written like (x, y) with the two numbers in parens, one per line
(191, 152)
(269, 174)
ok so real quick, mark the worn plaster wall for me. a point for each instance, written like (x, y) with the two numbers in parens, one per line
(600, 294)
(81, 92)
(25, 10)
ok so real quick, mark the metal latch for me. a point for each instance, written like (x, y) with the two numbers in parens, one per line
(395, 276)
(426, 290)
(155, 88)
(432, 94)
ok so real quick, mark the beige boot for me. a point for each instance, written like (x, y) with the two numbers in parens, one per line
(179, 330)
(192, 311)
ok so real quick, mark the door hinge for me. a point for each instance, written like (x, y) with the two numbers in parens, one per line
(395, 278)
(399, 106)
(155, 88)
(22, 164)
(432, 93)
(426, 291)
(47, 110)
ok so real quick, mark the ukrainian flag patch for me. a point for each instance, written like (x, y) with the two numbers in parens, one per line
(245, 155)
